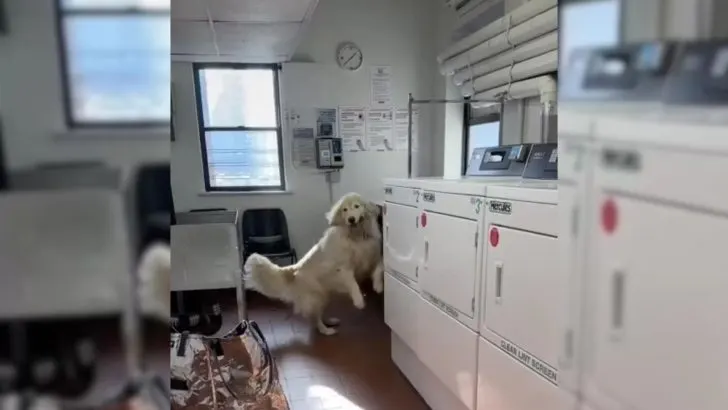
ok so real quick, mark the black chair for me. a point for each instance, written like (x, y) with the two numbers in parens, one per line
(265, 231)
(154, 206)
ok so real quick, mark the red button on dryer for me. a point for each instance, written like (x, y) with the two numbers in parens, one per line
(494, 237)
(610, 216)
(423, 219)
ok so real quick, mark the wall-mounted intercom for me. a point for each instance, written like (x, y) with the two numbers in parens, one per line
(329, 153)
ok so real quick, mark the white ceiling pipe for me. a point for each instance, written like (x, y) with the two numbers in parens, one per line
(533, 28)
(523, 52)
(542, 64)
(549, 94)
(520, 89)
(521, 14)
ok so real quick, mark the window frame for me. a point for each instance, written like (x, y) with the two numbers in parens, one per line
(197, 68)
(469, 121)
(62, 47)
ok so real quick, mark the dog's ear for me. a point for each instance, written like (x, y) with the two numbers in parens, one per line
(372, 209)
(334, 216)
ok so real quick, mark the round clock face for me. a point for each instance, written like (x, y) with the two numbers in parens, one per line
(349, 56)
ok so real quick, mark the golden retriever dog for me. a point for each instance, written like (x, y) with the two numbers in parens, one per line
(154, 271)
(348, 252)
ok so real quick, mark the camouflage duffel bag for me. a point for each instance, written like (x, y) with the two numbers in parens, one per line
(235, 371)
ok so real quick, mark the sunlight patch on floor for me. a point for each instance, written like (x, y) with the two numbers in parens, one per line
(331, 399)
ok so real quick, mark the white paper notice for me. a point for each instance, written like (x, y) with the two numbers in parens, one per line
(352, 129)
(381, 86)
(304, 147)
(326, 122)
(401, 128)
(379, 129)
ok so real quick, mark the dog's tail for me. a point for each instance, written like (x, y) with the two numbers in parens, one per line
(271, 280)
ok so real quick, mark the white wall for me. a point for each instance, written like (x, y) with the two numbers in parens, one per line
(32, 112)
(447, 120)
(399, 33)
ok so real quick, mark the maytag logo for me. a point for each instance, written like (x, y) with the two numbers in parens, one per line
(500, 207)
(428, 197)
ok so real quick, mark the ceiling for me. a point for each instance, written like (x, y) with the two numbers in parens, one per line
(245, 30)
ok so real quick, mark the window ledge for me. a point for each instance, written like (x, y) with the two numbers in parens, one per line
(244, 193)
(105, 134)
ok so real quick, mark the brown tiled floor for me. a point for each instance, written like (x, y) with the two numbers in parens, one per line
(348, 371)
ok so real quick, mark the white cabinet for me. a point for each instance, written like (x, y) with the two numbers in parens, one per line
(449, 350)
(401, 312)
(506, 384)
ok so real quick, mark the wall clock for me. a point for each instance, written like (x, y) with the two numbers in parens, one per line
(349, 56)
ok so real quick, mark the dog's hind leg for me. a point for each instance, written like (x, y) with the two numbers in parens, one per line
(378, 278)
(353, 288)
(313, 311)
(323, 328)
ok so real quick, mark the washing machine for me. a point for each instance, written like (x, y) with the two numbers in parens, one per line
(433, 248)
(655, 274)
(597, 82)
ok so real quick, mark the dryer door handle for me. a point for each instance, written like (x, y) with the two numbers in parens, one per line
(427, 252)
(619, 279)
(498, 283)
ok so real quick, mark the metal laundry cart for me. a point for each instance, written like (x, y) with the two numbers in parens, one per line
(207, 253)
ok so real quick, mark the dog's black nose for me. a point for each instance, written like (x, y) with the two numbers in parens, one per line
(351, 219)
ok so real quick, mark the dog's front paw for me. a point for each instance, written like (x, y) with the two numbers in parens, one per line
(359, 303)
(327, 331)
(378, 286)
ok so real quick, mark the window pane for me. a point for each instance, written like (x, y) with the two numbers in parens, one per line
(238, 97)
(590, 23)
(242, 158)
(118, 68)
(483, 135)
(116, 4)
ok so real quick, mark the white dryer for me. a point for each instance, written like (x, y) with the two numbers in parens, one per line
(433, 249)
(623, 81)
(524, 294)
(656, 277)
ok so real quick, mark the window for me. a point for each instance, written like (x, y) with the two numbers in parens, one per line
(115, 61)
(240, 128)
(588, 23)
(481, 130)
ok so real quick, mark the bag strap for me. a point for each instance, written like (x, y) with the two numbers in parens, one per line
(257, 336)
(212, 380)
(268, 356)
